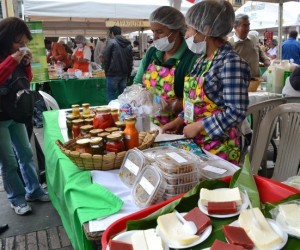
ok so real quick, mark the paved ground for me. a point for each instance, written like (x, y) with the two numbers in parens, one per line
(40, 230)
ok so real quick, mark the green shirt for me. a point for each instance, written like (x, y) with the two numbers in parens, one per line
(183, 55)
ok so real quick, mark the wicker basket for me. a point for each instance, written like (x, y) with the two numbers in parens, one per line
(253, 85)
(86, 161)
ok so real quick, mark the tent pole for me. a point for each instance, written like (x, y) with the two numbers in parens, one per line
(279, 54)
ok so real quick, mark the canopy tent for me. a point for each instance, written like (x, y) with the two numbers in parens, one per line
(264, 14)
(93, 17)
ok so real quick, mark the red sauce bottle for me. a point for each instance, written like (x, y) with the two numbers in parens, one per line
(131, 134)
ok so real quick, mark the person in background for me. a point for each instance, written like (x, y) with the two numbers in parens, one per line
(136, 45)
(98, 53)
(57, 52)
(216, 90)
(118, 63)
(14, 63)
(67, 48)
(164, 66)
(291, 48)
(273, 49)
(81, 55)
(245, 47)
(292, 83)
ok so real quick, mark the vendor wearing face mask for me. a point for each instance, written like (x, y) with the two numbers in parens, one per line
(82, 54)
(164, 66)
(216, 90)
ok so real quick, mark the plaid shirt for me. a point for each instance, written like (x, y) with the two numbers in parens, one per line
(226, 84)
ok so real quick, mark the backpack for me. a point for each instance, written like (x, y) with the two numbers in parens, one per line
(17, 100)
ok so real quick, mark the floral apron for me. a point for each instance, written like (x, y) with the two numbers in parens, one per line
(160, 81)
(197, 106)
(84, 67)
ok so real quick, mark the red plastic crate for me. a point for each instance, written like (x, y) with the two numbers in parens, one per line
(269, 190)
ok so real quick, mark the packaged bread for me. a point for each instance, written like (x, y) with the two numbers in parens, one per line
(263, 236)
(220, 195)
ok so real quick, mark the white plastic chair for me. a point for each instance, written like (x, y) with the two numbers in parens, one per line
(288, 157)
(50, 102)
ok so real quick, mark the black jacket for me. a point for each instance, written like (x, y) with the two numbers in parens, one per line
(118, 57)
(295, 78)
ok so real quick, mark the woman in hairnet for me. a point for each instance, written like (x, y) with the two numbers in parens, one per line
(215, 92)
(81, 55)
(164, 66)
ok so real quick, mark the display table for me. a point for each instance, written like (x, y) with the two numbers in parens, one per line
(78, 91)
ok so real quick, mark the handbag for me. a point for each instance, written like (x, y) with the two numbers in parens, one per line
(17, 100)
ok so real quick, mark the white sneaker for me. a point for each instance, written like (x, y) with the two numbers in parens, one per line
(21, 209)
(43, 197)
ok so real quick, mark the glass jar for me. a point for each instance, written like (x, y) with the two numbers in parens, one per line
(120, 125)
(115, 114)
(103, 118)
(83, 146)
(114, 144)
(75, 110)
(96, 145)
(76, 124)
(85, 129)
(86, 109)
(95, 132)
(69, 123)
(131, 134)
(104, 135)
(89, 121)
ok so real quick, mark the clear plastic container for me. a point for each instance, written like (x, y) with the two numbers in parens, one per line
(215, 169)
(179, 189)
(178, 179)
(132, 165)
(176, 161)
(149, 187)
(151, 153)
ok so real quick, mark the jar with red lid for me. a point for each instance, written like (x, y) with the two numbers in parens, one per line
(76, 124)
(114, 144)
(103, 118)
(83, 146)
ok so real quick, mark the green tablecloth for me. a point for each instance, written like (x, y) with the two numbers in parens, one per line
(78, 91)
(72, 194)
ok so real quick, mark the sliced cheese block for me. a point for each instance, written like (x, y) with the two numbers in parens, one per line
(146, 240)
(220, 195)
(264, 237)
(291, 213)
(172, 230)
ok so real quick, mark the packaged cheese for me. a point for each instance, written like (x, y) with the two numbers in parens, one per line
(220, 195)
(172, 230)
(147, 240)
(291, 213)
(263, 236)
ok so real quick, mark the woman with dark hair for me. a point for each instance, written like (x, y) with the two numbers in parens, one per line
(15, 62)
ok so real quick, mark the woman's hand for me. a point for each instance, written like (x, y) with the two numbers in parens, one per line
(173, 127)
(18, 55)
(26, 60)
(193, 129)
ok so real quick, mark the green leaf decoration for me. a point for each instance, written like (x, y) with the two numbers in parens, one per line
(244, 180)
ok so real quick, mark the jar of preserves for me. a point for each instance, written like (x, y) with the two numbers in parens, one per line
(83, 146)
(131, 134)
(120, 125)
(94, 132)
(96, 145)
(111, 129)
(114, 144)
(86, 109)
(75, 110)
(104, 135)
(103, 118)
(89, 121)
(76, 124)
(69, 123)
(115, 114)
(85, 129)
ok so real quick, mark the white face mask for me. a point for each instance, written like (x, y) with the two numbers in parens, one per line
(79, 45)
(197, 48)
(163, 43)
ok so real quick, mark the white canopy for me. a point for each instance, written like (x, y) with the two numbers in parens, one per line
(71, 17)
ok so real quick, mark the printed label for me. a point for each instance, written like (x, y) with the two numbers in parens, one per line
(177, 157)
(147, 185)
(215, 169)
(131, 167)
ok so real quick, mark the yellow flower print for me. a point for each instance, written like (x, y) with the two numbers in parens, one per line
(198, 90)
(147, 83)
(213, 151)
(207, 100)
(154, 74)
(168, 78)
(186, 78)
(211, 107)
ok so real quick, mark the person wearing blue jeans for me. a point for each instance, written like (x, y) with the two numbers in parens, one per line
(118, 62)
(115, 85)
(14, 64)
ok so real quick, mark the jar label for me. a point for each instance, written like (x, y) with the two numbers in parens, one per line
(131, 167)
(177, 157)
(147, 185)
